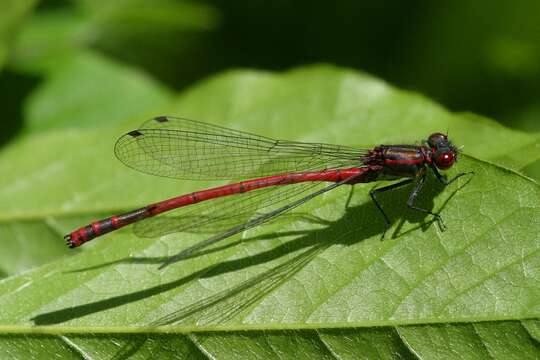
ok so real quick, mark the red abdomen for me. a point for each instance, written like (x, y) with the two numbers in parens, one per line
(98, 228)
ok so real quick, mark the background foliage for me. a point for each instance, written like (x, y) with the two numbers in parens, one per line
(76, 74)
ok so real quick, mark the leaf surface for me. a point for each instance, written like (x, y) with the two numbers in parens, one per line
(12, 13)
(297, 277)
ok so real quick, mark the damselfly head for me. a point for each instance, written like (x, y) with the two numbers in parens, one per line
(443, 152)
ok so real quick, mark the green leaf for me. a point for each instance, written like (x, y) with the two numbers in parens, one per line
(488, 252)
(498, 340)
(17, 256)
(297, 277)
(132, 16)
(133, 30)
(88, 90)
(48, 37)
(517, 155)
(18, 242)
(12, 12)
(533, 170)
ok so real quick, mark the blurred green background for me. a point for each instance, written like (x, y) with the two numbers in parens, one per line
(481, 56)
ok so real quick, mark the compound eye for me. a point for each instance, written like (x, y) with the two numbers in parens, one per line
(437, 139)
(445, 160)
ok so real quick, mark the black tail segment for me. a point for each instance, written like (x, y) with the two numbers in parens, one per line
(69, 241)
(101, 227)
(80, 236)
(89, 232)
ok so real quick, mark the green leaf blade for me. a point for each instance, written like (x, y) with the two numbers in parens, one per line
(306, 280)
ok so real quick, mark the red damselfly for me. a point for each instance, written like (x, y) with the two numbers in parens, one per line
(187, 149)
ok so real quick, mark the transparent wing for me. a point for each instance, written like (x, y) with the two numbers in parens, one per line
(220, 214)
(271, 204)
(188, 149)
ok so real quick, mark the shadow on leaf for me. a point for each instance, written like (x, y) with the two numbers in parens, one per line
(226, 304)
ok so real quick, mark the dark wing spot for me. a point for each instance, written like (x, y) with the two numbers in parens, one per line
(161, 119)
(135, 133)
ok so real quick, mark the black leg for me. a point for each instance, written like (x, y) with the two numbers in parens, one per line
(373, 193)
(412, 197)
(448, 182)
